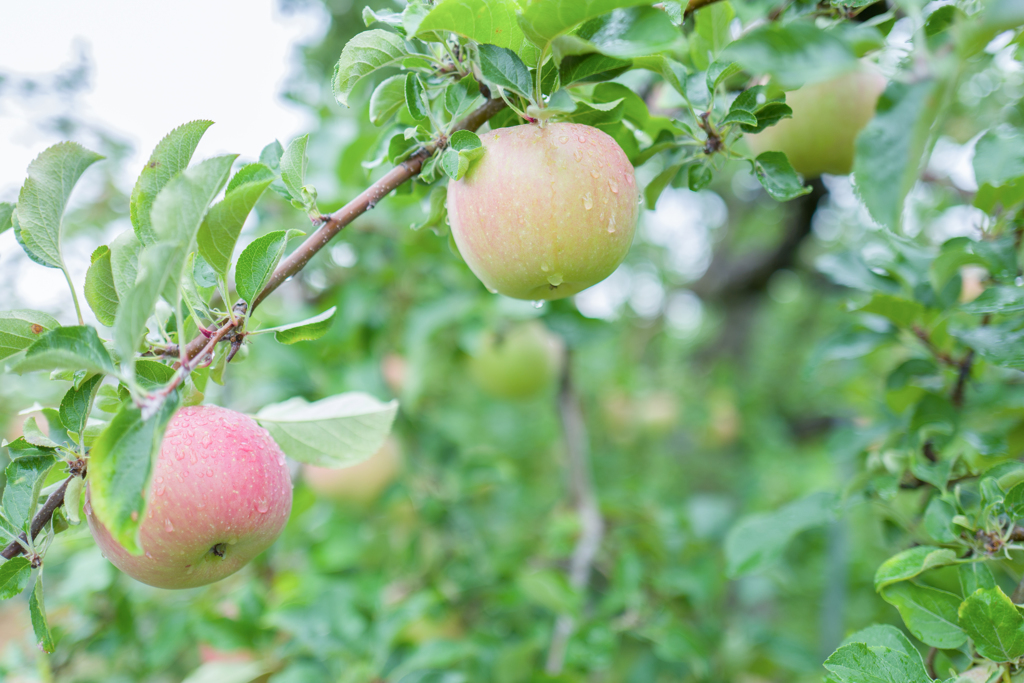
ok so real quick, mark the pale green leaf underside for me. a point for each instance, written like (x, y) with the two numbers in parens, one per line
(334, 432)
(22, 328)
(364, 54)
(545, 20)
(309, 329)
(483, 21)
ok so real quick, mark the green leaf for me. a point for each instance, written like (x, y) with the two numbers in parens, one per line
(438, 210)
(885, 635)
(998, 158)
(270, 156)
(37, 613)
(777, 177)
(698, 176)
(99, 287)
(257, 262)
(14, 576)
(902, 312)
(334, 432)
(67, 348)
(998, 344)
(501, 67)
(170, 158)
(223, 223)
(975, 575)
(77, 403)
(43, 198)
(930, 614)
(177, 215)
(794, 53)
(416, 97)
(718, 72)
(387, 98)
(550, 590)
(22, 328)
(124, 262)
(994, 623)
(892, 148)
(364, 54)
(938, 521)
(654, 188)
(6, 211)
(454, 164)
(25, 477)
(153, 374)
(862, 663)
(460, 98)
(309, 329)
(998, 299)
(759, 540)
(545, 20)
(33, 433)
(120, 465)
(492, 22)
(712, 32)
(624, 34)
(591, 68)
(912, 562)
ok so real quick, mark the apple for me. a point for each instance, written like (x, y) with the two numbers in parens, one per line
(360, 483)
(219, 496)
(827, 116)
(546, 212)
(394, 369)
(518, 362)
(972, 283)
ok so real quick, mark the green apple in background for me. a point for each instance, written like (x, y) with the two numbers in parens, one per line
(360, 483)
(827, 116)
(517, 362)
(220, 495)
(546, 212)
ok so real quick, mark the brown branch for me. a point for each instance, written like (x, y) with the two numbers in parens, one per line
(581, 485)
(929, 663)
(694, 5)
(331, 226)
(368, 199)
(961, 379)
(55, 500)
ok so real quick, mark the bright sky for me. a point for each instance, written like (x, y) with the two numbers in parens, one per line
(153, 66)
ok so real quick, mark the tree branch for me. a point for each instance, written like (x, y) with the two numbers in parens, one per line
(295, 262)
(581, 485)
(332, 224)
(55, 500)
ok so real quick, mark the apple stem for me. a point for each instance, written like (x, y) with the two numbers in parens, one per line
(584, 495)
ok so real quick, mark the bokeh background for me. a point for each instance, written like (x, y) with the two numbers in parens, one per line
(718, 371)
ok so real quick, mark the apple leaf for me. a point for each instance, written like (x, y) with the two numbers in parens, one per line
(892, 148)
(37, 613)
(25, 476)
(120, 466)
(712, 33)
(67, 348)
(169, 158)
(492, 22)
(501, 67)
(14, 576)
(994, 623)
(758, 540)
(43, 198)
(545, 20)
(100, 291)
(860, 663)
(6, 212)
(333, 432)
(794, 53)
(257, 261)
(20, 329)
(305, 330)
(124, 262)
(929, 613)
(777, 177)
(416, 97)
(219, 231)
(998, 158)
(461, 97)
(364, 54)
(179, 210)
(387, 98)
(912, 562)
(77, 403)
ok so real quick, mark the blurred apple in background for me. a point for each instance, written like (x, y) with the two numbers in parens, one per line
(360, 483)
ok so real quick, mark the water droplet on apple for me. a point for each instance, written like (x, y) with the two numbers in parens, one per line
(189, 569)
(159, 490)
(611, 224)
(545, 267)
(538, 304)
(200, 505)
(613, 186)
(209, 472)
(262, 506)
(578, 155)
(168, 527)
(555, 279)
(629, 179)
(149, 555)
(588, 202)
(180, 455)
(564, 139)
(582, 138)
(595, 174)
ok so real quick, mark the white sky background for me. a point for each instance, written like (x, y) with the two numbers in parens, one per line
(153, 66)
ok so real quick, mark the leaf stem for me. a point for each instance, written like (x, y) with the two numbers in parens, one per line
(74, 295)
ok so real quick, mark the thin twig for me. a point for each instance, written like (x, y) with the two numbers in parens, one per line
(929, 663)
(55, 500)
(581, 485)
(331, 226)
